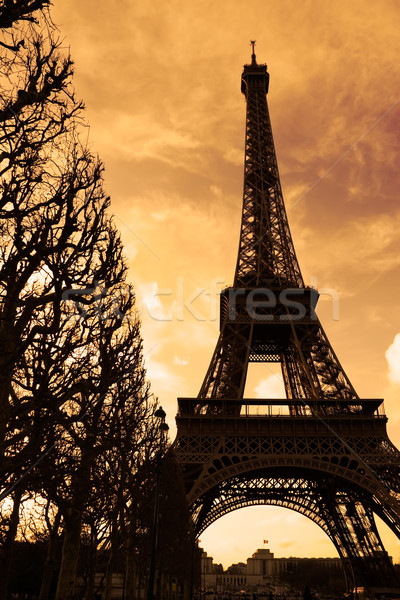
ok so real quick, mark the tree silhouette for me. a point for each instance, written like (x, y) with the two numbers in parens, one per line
(73, 397)
(56, 236)
(20, 10)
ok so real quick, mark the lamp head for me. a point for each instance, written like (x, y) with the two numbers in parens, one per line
(160, 413)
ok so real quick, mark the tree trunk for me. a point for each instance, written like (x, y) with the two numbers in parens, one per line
(131, 583)
(186, 589)
(50, 564)
(70, 556)
(158, 587)
(92, 565)
(8, 546)
(109, 577)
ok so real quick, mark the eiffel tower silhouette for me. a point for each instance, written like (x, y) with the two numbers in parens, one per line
(321, 451)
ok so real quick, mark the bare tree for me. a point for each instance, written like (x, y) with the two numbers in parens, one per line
(124, 474)
(97, 437)
(56, 236)
(70, 351)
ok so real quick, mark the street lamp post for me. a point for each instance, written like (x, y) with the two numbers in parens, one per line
(160, 413)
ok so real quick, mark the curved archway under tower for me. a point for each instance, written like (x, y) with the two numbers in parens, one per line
(345, 513)
(235, 536)
(238, 534)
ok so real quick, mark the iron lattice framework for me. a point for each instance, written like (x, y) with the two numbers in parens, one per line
(323, 451)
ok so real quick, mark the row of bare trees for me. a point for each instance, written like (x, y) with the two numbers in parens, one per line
(78, 435)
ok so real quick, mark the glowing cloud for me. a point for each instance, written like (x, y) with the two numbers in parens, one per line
(182, 362)
(271, 387)
(393, 358)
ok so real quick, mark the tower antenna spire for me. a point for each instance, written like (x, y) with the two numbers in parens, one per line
(253, 56)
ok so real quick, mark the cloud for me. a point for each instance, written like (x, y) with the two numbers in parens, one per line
(182, 362)
(163, 376)
(393, 359)
(286, 544)
(367, 246)
(234, 156)
(271, 387)
(140, 136)
(149, 299)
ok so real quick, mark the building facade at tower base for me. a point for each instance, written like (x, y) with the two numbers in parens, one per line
(260, 573)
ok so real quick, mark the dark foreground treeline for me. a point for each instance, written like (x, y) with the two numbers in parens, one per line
(321, 578)
(103, 572)
(79, 439)
(30, 560)
(174, 580)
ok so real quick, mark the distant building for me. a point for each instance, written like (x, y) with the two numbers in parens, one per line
(264, 565)
(237, 569)
(259, 572)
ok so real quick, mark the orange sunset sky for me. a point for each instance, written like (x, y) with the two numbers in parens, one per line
(161, 82)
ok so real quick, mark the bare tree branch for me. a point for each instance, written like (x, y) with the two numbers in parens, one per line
(17, 10)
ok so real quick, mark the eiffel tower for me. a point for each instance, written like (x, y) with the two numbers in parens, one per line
(321, 451)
